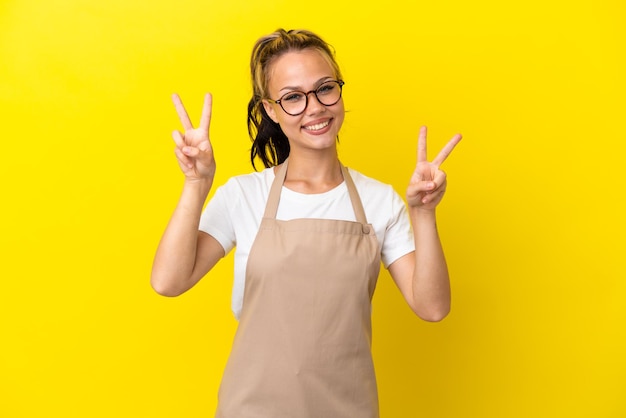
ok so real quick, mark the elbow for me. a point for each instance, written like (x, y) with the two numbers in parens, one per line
(164, 291)
(164, 287)
(433, 314)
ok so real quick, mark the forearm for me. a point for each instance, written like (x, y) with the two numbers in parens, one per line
(431, 284)
(176, 254)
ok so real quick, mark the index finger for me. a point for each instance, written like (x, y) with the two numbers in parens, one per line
(182, 112)
(421, 145)
(447, 149)
(205, 120)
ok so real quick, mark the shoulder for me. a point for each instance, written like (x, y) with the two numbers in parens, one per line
(239, 203)
(369, 187)
(255, 183)
(380, 200)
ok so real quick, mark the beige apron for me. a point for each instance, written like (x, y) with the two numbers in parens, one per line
(303, 345)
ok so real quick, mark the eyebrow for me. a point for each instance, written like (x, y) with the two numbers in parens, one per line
(317, 84)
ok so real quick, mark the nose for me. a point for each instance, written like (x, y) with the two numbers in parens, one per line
(313, 104)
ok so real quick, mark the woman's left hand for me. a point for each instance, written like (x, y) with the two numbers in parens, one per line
(428, 182)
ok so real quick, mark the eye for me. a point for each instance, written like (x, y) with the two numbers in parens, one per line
(326, 88)
(292, 97)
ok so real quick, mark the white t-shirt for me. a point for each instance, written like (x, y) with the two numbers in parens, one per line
(234, 214)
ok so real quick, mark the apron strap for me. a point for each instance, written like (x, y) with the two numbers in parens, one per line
(277, 185)
(271, 209)
(357, 206)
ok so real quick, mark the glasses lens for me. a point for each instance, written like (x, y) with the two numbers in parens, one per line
(328, 93)
(294, 102)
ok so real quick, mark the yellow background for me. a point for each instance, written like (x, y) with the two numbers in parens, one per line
(533, 221)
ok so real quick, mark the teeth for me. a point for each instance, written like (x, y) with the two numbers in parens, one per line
(317, 127)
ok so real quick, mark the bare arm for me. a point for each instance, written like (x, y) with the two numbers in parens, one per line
(422, 276)
(185, 254)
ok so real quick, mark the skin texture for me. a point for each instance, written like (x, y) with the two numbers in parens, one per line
(304, 71)
(422, 276)
(185, 255)
(316, 168)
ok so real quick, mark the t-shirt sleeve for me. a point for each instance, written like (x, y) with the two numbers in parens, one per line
(216, 218)
(399, 235)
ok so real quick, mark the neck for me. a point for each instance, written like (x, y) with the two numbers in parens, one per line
(313, 174)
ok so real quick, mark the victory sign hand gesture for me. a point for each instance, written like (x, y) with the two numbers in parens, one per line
(193, 147)
(428, 182)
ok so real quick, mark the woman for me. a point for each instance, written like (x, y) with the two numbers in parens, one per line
(309, 236)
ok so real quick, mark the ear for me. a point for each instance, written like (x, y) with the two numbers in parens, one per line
(269, 109)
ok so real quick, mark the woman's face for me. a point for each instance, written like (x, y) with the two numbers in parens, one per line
(318, 126)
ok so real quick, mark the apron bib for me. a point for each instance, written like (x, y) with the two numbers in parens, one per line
(303, 344)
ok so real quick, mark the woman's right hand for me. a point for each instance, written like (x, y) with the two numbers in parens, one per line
(193, 147)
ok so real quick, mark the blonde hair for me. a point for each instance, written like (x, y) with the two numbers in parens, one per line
(269, 143)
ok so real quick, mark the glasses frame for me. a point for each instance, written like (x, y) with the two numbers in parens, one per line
(306, 97)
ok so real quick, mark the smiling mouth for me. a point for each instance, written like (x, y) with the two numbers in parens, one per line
(317, 126)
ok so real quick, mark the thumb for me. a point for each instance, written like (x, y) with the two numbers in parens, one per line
(204, 146)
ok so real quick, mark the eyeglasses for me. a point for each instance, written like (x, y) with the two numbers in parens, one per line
(295, 102)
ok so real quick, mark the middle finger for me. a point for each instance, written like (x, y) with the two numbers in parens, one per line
(182, 112)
